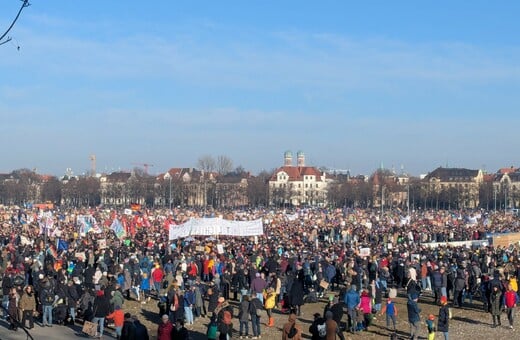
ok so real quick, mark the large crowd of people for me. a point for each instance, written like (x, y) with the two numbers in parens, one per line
(58, 271)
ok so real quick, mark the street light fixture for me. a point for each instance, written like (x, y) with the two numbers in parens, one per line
(169, 177)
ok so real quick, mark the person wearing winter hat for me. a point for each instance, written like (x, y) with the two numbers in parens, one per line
(101, 310)
(165, 328)
(430, 325)
(444, 318)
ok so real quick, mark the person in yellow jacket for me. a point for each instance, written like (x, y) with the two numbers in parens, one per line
(514, 284)
(270, 302)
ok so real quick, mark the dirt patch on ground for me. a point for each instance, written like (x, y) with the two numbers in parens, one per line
(469, 322)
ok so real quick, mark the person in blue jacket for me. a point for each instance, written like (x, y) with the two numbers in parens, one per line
(352, 300)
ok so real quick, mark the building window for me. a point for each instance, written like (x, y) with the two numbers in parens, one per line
(299, 185)
(316, 185)
(306, 185)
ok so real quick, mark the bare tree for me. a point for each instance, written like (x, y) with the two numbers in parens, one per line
(224, 165)
(206, 163)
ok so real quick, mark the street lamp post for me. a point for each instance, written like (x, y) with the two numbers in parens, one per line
(382, 200)
(170, 192)
(505, 198)
(408, 198)
(169, 177)
(495, 190)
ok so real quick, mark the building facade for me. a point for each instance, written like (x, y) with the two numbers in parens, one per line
(458, 186)
(297, 185)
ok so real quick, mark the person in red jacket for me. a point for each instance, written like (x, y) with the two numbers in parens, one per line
(164, 332)
(119, 320)
(510, 300)
(157, 276)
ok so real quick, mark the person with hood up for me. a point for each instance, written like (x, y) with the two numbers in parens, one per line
(28, 305)
(352, 301)
(288, 326)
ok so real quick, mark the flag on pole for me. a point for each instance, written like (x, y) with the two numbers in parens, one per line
(62, 245)
(118, 228)
(52, 251)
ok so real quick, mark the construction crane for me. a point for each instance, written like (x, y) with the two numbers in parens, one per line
(92, 165)
(144, 165)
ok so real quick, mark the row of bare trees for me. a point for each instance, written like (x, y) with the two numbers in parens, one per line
(25, 186)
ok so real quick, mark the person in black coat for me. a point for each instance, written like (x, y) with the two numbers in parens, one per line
(179, 332)
(141, 332)
(72, 299)
(296, 293)
(101, 310)
(128, 332)
(444, 317)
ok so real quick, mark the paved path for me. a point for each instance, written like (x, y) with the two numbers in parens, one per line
(55, 332)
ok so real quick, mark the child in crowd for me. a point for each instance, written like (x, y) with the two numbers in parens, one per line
(430, 324)
(391, 313)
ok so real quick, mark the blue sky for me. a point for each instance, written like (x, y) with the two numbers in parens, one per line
(417, 84)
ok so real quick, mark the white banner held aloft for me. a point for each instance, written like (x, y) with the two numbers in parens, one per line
(216, 226)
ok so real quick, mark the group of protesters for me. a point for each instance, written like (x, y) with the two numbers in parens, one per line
(59, 271)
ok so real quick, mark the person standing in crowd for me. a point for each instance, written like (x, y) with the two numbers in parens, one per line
(332, 328)
(430, 326)
(101, 310)
(12, 308)
(365, 305)
(414, 317)
(72, 298)
(352, 301)
(443, 324)
(390, 310)
(255, 308)
(243, 317)
(28, 306)
(510, 299)
(495, 301)
(164, 331)
(141, 333)
(179, 332)
(318, 328)
(288, 326)
(270, 302)
(257, 287)
(119, 318)
(47, 300)
(189, 303)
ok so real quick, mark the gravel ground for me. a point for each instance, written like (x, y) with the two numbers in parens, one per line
(467, 323)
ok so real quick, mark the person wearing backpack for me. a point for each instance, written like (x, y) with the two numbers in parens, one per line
(47, 299)
(290, 330)
(318, 328)
(224, 314)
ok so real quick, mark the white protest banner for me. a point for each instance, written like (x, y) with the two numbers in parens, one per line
(364, 252)
(215, 227)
